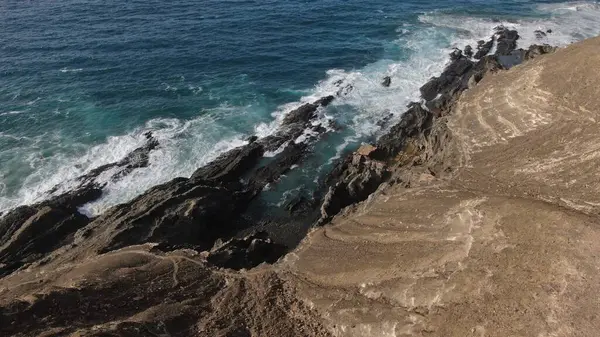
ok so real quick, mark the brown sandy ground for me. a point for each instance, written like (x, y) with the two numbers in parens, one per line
(505, 243)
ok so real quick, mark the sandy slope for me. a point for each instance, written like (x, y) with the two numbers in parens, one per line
(506, 243)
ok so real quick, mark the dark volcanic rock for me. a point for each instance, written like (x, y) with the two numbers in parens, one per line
(301, 205)
(516, 57)
(43, 231)
(29, 232)
(448, 80)
(360, 174)
(182, 212)
(190, 213)
(281, 164)
(456, 54)
(539, 34)
(537, 50)
(414, 121)
(353, 180)
(468, 51)
(294, 124)
(386, 81)
(483, 48)
(506, 40)
(245, 253)
(231, 165)
(135, 159)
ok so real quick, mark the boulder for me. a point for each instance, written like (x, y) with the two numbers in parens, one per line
(414, 122)
(468, 51)
(387, 81)
(506, 40)
(456, 54)
(448, 81)
(483, 48)
(245, 253)
(540, 34)
(350, 182)
(537, 50)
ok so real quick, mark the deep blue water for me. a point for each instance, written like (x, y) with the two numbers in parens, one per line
(81, 81)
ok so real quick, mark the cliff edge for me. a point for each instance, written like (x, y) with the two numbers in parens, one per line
(480, 217)
(504, 240)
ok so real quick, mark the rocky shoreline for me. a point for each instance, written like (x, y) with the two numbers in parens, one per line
(201, 224)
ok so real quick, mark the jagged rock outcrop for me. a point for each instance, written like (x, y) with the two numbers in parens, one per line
(184, 212)
(154, 257)
(468, 51)
(506, 40)
(27, 233)
(387, 81)
(294, 124)
(483, 48)
(245, 253)
(356, 177)
(353, 180)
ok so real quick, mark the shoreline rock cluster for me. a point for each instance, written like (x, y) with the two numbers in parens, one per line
(187, 229)
(227, 185)
(210, 205)
(360, 174)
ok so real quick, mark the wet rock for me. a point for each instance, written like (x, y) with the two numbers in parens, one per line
(306, 112)
(294, 124)
(540, 34)
(549, 31)
(300, 205)
(385, 120)
(537, 50)
(345, 90)
(358, 175)
(245, 253)
(506, 40)
(414, 122)
(353, 180)
(231, 165)
(448, 80)
(468, 51)
(483, 48)
(137, 158)
(387, 81)
(252, 139)
(280, 165)
(456, 54)
(324, 101)
(486, 64)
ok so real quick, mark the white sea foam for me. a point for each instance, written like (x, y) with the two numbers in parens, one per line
(271, 154)
(12, 112)
(569, 22)
(187, 145)
(71, 70)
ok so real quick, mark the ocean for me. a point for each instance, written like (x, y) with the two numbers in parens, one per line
(81, 82)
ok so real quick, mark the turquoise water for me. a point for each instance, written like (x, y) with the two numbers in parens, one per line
(81, 81)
